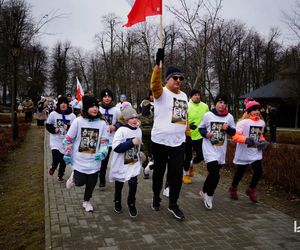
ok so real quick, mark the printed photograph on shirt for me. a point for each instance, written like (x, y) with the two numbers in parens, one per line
(179, 111)
(131, 155)
(108, 118)
(255, 132)
(60, 124)
(89, 139)
(218, 137)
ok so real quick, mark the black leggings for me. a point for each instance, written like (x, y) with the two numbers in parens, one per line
(132, 184)
(240, 171)
(89, 180)
(58, 159)
(103, 168)
(173, 157)
(212, 178)
(197, 146)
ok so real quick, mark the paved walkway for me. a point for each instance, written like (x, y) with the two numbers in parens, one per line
(230, 225)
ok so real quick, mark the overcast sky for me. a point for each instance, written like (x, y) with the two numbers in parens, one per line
(83, 19)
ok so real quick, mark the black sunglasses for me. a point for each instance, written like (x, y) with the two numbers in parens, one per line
(175, 78)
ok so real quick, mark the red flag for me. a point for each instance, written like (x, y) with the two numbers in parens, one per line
(79, 91)
(141, 9)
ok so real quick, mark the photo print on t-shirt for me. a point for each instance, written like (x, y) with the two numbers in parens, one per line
(255, 132)
(218, 137)
(88, 141)
(60, 125)
(179, 111)
(131, 155)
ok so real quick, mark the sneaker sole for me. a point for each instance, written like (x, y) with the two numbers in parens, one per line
(118, 212)
(176, 216)
(155, 209)
(133, 216)
(207, 206)
(87, 210)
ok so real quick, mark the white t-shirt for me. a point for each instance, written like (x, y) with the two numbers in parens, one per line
(124, 166)
(111, 115)
(243, 154)
(86, 135)
(77, 105)
(73, 103)
(170, 118)
(56, 119)
(214, 149)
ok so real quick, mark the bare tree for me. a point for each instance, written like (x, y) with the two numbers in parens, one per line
(292, 19)
(198, 29)
(59, 70)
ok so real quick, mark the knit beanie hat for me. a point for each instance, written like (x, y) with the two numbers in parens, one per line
(128, 113)
(252, 105)
(62, 99)
(88, 102)
(172, 70)
(194, 91)
(220, 97)
(125, 104)
(106, 92)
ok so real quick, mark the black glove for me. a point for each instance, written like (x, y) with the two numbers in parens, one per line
(250, 141)
(262, 145)
(193, 126)
(188, 139)
(160, 55)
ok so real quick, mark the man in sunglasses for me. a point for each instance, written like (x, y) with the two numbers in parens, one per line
(168, 133)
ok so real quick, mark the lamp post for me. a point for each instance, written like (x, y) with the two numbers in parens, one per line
(15, 51)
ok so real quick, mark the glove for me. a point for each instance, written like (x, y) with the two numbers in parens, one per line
(188, 139)
(160, 55)
(262, 145)
(193, 126)
(143, 157)
(68, 159)
(250, 142)
(99, 156)
(137, 141)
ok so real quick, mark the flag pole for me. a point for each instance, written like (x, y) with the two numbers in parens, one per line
(161, 37)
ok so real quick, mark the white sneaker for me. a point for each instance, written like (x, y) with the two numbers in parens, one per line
(166, 192)
(70, 182)
(207, 200)
(147, 169)
(87, 206)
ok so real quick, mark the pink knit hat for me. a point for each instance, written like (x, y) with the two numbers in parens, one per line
(252, 105)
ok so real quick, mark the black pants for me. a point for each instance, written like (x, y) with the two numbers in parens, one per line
(28, 116)
(197, 146)
(58, 159)
(132, 184)
(89, 180)
(212, 178)
(103, 168)
(240, 171)
(273, 133)
(173, 157)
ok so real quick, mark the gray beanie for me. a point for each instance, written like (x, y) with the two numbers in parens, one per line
(128, 113)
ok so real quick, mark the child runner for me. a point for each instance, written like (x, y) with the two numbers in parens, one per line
(126, 160)
(57, 125)
(214, 128)
(86, 145)
(250, 144)
(111, 113)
